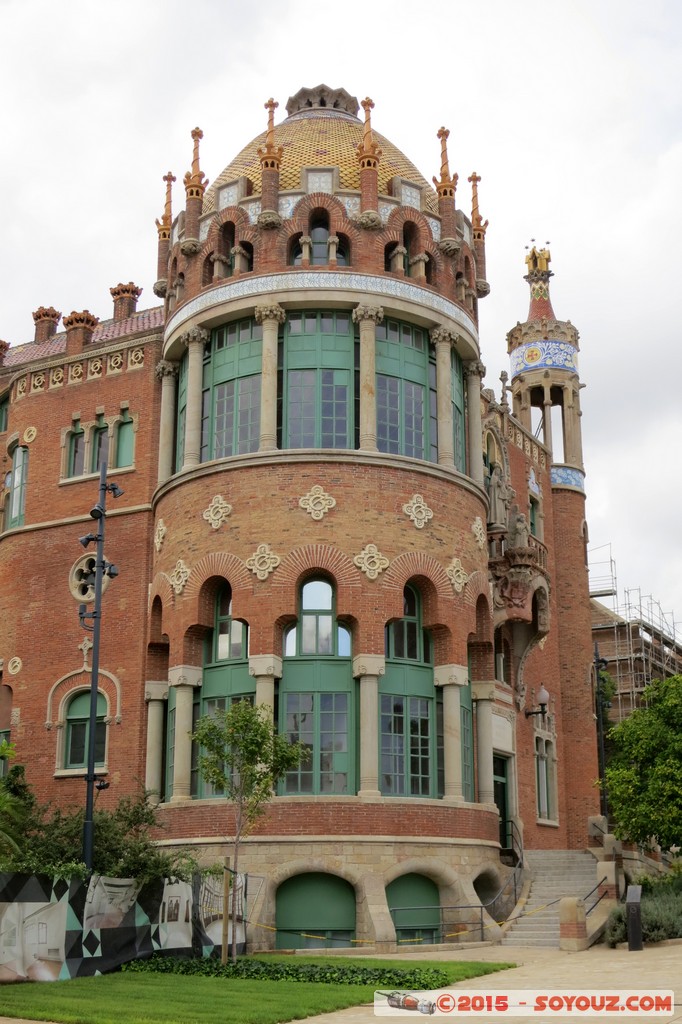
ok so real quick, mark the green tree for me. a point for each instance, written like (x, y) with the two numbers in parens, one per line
(243, 757)
(644, 776)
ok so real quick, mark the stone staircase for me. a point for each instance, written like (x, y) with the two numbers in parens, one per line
(553, 873)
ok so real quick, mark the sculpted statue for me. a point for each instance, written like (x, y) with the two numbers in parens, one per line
(518, 531)
(499, 496)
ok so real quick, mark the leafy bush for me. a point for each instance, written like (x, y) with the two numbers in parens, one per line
(416, 978)
(122, 844)
(661, 916)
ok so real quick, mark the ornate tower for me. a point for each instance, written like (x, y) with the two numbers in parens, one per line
(546, 399)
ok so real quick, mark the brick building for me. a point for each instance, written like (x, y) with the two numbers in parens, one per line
(323, 511)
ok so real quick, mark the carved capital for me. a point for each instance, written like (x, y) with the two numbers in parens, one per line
(164, 368)
(369, 220)
(450, 246)
(482, 288)
(373, 313)
(474, 368)
(421, 257)
(190, 246)
(269, 220)
(217, 257)
(439, 334)
(270, 311)
(160, 288)
(195, 336)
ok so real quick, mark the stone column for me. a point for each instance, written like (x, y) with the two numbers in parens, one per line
(474, 371)
(451, 678)
(444, 341)
(368, 668)
(547, 418)
(484, 695)
(185, 678)
(195, 339)
(270, 316)
(156, 695)
(332, 246)
(398, 260)
(418, 266)
(368, 317)
(265, 668)
(167, 373)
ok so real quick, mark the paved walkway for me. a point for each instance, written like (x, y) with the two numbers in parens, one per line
(599, 968)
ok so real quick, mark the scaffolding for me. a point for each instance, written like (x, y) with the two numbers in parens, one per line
(637, 639)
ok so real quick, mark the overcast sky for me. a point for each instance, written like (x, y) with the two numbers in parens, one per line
(570, 110)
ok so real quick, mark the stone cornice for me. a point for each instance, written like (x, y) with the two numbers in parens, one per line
(345, 284)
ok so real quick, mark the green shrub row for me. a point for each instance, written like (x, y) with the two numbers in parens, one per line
(415, 978)
(661, 917)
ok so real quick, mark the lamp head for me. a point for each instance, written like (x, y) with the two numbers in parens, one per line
(115, 490)
(87, 539)
(97, 512)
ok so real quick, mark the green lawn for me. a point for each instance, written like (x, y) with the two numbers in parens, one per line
(170, 999)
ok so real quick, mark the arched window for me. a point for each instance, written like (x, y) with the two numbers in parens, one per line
(319, 237)
(343, 252)
(296, 251)
(5, 723)
(410, 740)
(410, 244)
(17, 486)
(225, 681)
(4, 413)
(207, 272)
(78, 731)
(317, 695)
(545, 778)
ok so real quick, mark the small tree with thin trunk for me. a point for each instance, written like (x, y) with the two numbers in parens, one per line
(243, 757)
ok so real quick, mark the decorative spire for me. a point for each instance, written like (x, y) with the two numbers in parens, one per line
(195, 180)
(447, 185)
(163, 226)
(479, 226)
(271, 156)
(538, 276)
(368, 150)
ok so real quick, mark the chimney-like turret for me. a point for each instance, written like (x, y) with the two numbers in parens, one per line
(79, 330)
(45, 319)
(125, 300)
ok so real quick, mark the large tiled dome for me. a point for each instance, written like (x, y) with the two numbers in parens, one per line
(316, 135)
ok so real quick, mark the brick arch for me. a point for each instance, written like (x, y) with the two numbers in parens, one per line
(223, 565)
(312, 558)
(411, 564)
(432, 868)
(161, 587)
(77, 681)
(300, 215)
(404, 214)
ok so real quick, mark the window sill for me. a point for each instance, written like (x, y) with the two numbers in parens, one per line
(547, 822)
(79, 773)
(89, 477)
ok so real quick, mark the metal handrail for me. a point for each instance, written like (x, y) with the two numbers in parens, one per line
(597, 901)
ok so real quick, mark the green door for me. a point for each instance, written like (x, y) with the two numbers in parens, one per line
(414, 903)
(314, 911)
(500, 765)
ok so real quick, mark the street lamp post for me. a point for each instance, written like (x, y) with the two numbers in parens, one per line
(102, 569)
(600, 665)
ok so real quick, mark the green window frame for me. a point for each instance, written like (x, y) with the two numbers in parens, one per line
(411, 761)
(17, 486)
(183, 369)
(78, 731)
(225, 680)
(4, 413)
(231, 399)
(544, 769)
(406, 397)
(76, 453)
(317, 695)
(125, 442)
(100, 444)
(318, 380)
(458, 425)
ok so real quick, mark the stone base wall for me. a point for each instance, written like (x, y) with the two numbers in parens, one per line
(369, 865)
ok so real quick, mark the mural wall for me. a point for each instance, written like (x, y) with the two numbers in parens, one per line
(54, 929)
